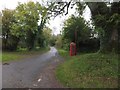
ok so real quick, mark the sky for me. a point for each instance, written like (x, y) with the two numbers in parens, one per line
(55, 24)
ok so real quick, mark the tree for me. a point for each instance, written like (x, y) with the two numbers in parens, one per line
(26, 25)
(75, 30)
(9, 41)
(52, 40)
(59, 41)
(45, 16)
(27, 17)
(108, 20)
(0, 23)
(0, 30)
(47, 34)
(45, 37)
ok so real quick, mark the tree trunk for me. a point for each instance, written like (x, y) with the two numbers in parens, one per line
(108, 39)
(30, 40)
(109, 42)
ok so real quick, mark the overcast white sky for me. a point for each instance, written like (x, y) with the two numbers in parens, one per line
(55, 24)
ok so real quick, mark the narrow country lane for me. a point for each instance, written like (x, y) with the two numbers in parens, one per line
(36, 72)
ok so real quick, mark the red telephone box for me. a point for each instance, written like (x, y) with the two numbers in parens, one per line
(72, 49)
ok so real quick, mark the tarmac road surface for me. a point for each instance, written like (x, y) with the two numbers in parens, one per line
(35, 72)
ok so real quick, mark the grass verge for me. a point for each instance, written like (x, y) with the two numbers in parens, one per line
(10, 56)
(93, 70)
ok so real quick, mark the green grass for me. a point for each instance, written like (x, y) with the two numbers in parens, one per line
(93, 70)
(10, 56)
